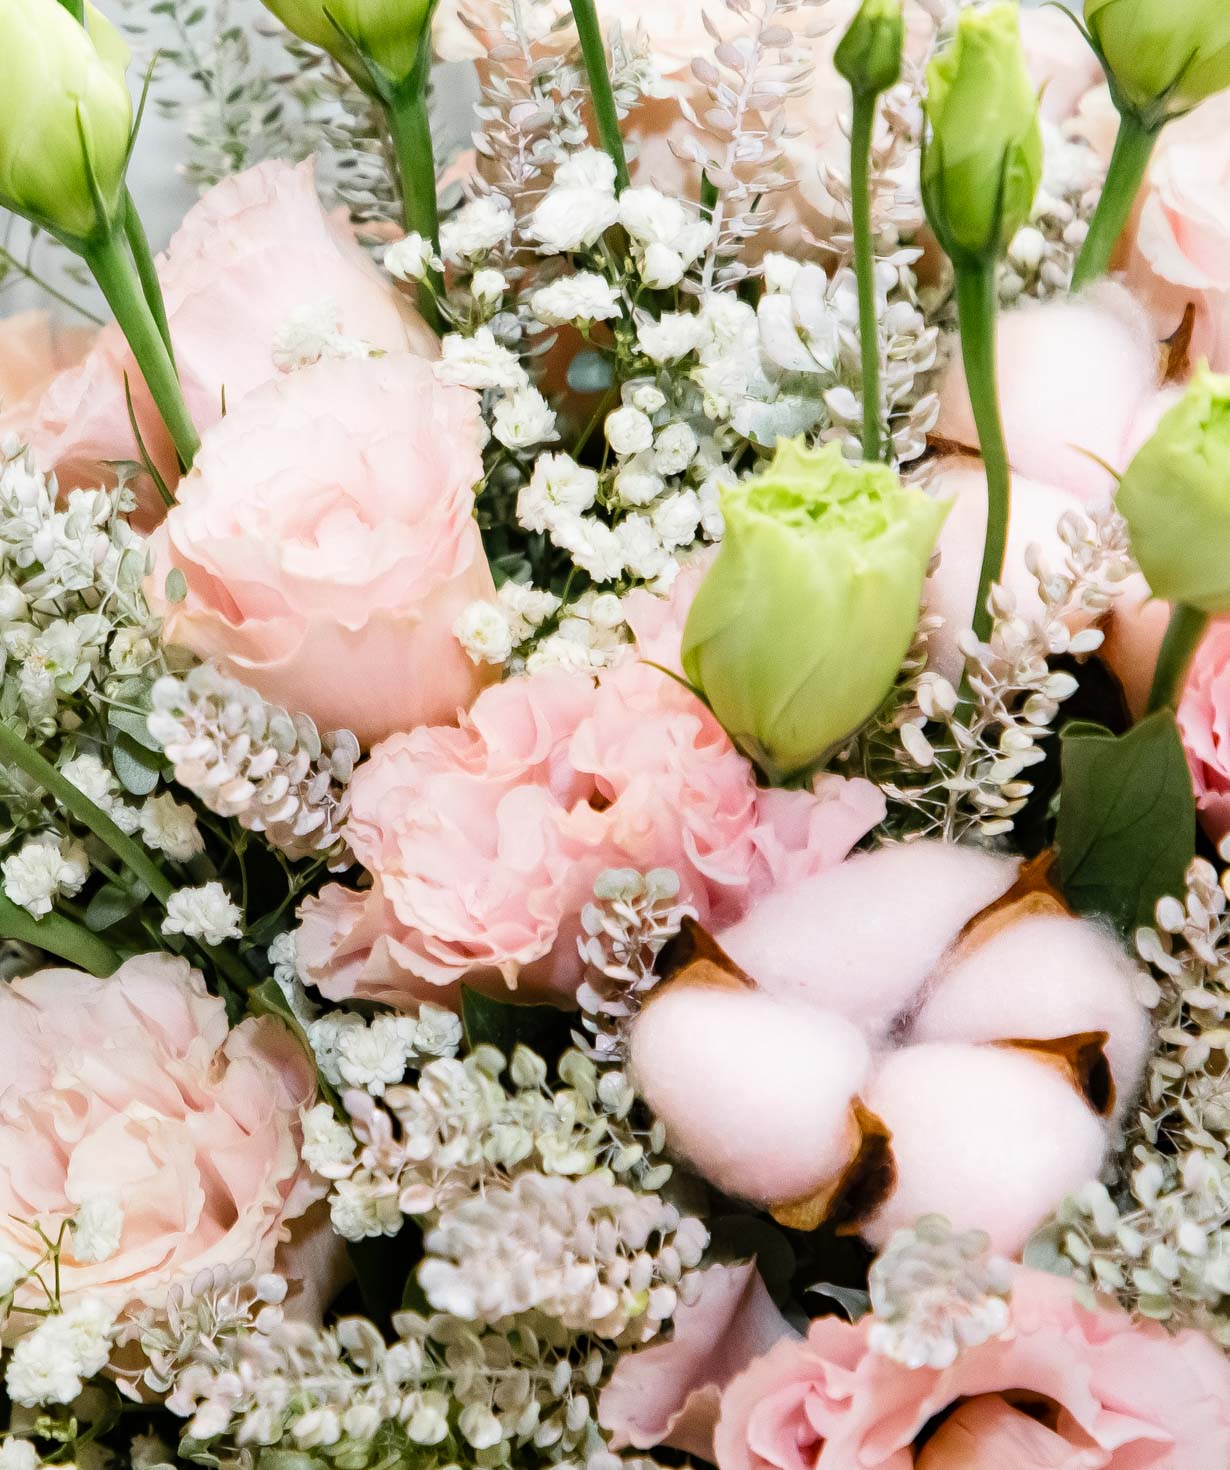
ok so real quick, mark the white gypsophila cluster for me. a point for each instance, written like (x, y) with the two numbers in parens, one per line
(588, 1252)
(50, 1364)
(971, 758)
(247, 759)
(935, 1293)
(460, 1129)
(632, 919)
(170, 827)
(371, 1055)
(207, 913)
(313, 333)
(100, 784)
(18, 1454)
(46, 867)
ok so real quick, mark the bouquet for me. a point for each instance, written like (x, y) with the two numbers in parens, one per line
(615, 746)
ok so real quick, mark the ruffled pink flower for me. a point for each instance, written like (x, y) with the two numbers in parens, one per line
(1204, 722)
(136, 1087)
(253, 252)
(33, 350)
(1065, 1388)
(327, 541)
(484, 842)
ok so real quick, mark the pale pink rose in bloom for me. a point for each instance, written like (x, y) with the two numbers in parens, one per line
(1066, 1388)
(670, 1393)
(484, 842)
(256, 250)
(327, 538)
(136, 1087)
(1204, 723)
(1061, 62)
(33, 349)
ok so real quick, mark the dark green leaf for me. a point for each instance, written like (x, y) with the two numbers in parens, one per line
(111, 904)
(139, 769)
(496, 1023)
(385, 1268)
(1127, 819)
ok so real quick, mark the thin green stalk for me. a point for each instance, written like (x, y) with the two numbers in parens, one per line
(119, 282)
(58, 936)
(147, 272)
(865, 268)
(411, 128)
(977, 301)
(1133, 149)
(593, 49)
(1183, 635)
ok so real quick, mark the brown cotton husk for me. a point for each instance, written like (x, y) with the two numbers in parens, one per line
(1082, 1060)
(858, 1191)
(694, 958)
(1034, 892)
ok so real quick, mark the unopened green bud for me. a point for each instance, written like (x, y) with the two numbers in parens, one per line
(377, 41)
(983, 160)
(1175, 498)
(869, 54)
(65, 117)
(1162, 56)
(801, 625)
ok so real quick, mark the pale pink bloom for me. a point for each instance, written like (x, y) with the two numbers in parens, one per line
(33, 349)
(1060, 60)
(1110, 1394)
(256, 250)
(1204, 722)
(136, 1087)
(670, 1393)
(326, 536)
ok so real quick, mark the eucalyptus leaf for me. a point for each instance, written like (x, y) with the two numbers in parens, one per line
(1127, 819)
(134, 724)
(139, 769)
(111, 905)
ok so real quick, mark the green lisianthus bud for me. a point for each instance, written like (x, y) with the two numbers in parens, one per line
(65, 117)
(1162, 56)
(869, 54)
(802, 623)
(983, 160)
(361, 34)
(1175, 498)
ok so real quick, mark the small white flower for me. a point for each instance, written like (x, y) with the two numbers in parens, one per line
(374, 1057)
(640, 546)
(311, 333)
(638, 482)
(361, 1208)
(591, 168)
(412, 258)
(677, 518)
(648, 398)
(44, 869)
(437, 1032)
(780, 271)
(726, 325)
(206, 913)
(584, 297)
(560, 654)
(93, 779)
(488, 286)
(558, 484)
(485, 633)
(325, 1035)
(661, 267)
(476, 228)
(170, 826)
(674, 449)
(48, 1365)
(628, 431)
(524, 419)
(18, 1454)
(11, 1273)
(479, 362)
(571, 219)
(650, 216)
(593, 546)
(97, 1228)
(667, 340)
(529, 605)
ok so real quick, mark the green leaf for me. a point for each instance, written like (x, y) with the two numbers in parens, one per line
(384, 1267)
(135, 726)
(139, 769)
(112, 904)
(1127, 819)
(543, 1029)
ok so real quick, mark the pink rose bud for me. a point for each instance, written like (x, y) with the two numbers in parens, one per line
(756, 1093)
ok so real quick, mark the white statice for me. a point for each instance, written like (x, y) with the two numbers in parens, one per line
(524, 419)
(169, 826)
(479, 362)
(313, 333)
(95, 781)
(329, 1147)
(18, 1454)
(50, 1364)
(584, 297)
(484, 631)
(478, 227)
(206, 913)
(487, 286)
(629, 431)
(412, 259)
(97, 1228)
(43, 869)
(580, 205)
(559, 490)
(674, 449)
(672, 336)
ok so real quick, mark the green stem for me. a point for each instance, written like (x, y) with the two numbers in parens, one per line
(58, 936)
(416, 164)
(147, 272)
(977, 300)
(865, 269)
(1183, 635)
(593, 49)
(119, 282)
(1133, 149)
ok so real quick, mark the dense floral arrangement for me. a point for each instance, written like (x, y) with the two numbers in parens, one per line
(615, 750)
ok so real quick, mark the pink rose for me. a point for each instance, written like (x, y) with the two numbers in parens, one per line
(135, 1087)
(33, 349)
(484, 842)
(1065, 1388)
(253, 252)
(327, 538)
(1204, 722)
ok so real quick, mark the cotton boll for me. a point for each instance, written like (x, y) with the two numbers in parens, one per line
(989, 1137)
(1040, 979)
(952, 589)
(755, 1094)
(861, 938)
